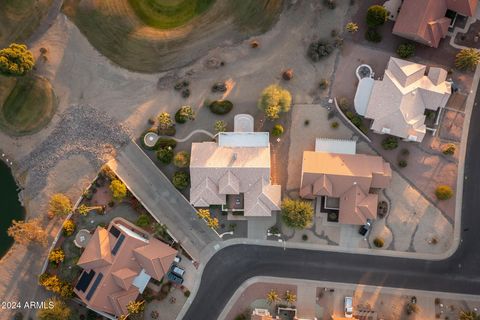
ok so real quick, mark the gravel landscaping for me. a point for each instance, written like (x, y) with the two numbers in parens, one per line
(82, 130)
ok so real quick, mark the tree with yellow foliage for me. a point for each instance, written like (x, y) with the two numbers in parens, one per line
(16, 60)
(26, 232)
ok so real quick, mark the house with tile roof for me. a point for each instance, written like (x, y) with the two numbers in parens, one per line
(397, 103)
(118, 262)
(234, 171)
(344, 182)
(425, 21)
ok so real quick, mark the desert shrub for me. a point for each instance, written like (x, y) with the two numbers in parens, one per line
(68, 227)
(220, 126)
(324, 83)
(184, 113)
(411, 308)
(467, 59)
(143, 220)
(382, 208)
(186, 93)
(180, 180)
(304, 237)
(56, 256)
(334, 125)
(343, 104)
(165, 155)
(287, 74)
(373, 35)
(187, 293)
(319, 49)
(165, 143)
(405, 152)
(376, 16)
(221, 106)
(277, 130)
(449, 149)
(443, 192)
(402, 163)
(354, 118)
(406, 50)
(330, 4)
(181, 159)
(378, 242)
(16, 60)
(306, 122)
(274, 100)
(351, 27)
(390, 143)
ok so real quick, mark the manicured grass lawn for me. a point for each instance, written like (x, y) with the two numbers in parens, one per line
(29, 105)
(138, 34)
(167, 14)
(19, 18)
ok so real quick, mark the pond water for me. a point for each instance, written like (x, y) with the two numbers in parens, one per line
(10, 207)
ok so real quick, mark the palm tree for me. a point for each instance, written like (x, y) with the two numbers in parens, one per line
(84, 209)
(469, 315)
(273, 297)
(467, 59)
(289, 297)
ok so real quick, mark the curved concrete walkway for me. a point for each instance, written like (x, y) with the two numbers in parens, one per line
(193, 133)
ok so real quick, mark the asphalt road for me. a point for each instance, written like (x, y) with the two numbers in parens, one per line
(460, 273)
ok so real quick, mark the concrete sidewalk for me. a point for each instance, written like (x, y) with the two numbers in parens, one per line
(165, 203)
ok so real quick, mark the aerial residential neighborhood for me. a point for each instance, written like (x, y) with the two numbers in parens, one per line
(239, 160)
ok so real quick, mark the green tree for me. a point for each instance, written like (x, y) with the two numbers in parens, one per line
(275, 100)
(220, 126)
(277, 130)
(181, 159)
(159, 230)
(376, 16)
(165, 155)
(289, 297)
(25, 232)
(56, 310)
(467, 59)
(273, 297)
(180, 180)
(351, 27)
(165, 121)
(16, 60)
(469, 315)
(60, 205)
(184, 113)
(119, 189)
(297, 214)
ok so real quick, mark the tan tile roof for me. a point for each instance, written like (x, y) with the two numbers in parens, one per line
(97, 253)
(398, 102)
(138, 251)
(124, 277)
(424, 21)
(216, 171)
(347, 177)
(155, 258)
